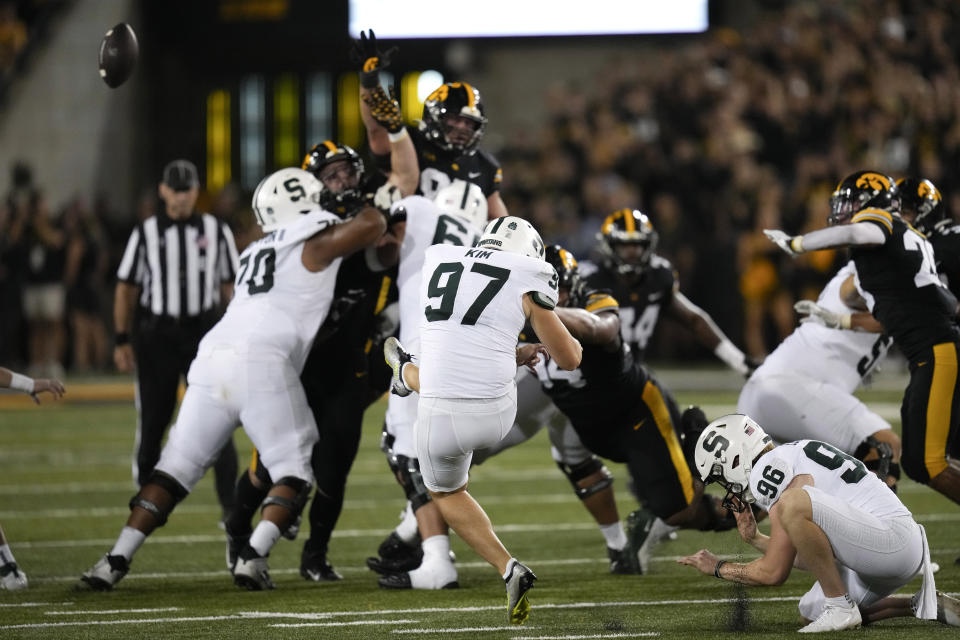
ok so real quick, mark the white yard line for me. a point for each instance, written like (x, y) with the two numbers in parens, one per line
(246, 615)
(108, 612)
(458, 629)
(638, 634)
(341, 623)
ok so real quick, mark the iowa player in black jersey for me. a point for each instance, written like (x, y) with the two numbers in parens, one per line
(620, 412)
(344, 373)
(446, 139)
(921, 204)
(899, 284)
(645, 284)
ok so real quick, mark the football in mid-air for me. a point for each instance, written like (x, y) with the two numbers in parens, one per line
(118, 55)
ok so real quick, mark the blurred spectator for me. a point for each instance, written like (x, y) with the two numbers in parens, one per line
(44, 294)
(13, 36)
(85, 279)
(733, 130)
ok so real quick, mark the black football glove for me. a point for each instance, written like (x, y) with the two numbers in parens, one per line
(365, 54)
(385, 110)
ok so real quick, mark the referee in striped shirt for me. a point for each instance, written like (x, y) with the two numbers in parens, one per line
(175, 277)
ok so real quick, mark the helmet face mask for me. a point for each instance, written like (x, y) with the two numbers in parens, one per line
(725, 453)
(862, 190)
(627, 242)
(340, 171)
(921, 201)
(512, 234)
(454, 118)
(283, 196)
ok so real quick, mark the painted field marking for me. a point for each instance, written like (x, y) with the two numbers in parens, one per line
(340, 623)
(108, 612)
(458, 629)
(639, 634)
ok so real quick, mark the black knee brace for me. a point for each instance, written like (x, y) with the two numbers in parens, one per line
(577, 472)
(168, 484)
(294, 506)
(408, 471)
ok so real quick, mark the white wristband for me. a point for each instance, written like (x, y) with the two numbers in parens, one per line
(398, 136)
(21, 382)
(728, 352)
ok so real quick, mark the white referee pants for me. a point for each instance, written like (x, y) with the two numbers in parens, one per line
(225, 389)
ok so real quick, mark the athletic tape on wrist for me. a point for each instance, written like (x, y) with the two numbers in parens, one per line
(21, 382)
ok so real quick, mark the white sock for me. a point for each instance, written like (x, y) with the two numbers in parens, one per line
(5, 554)
(842, 602)
(128, 542)
(264, 537)
(407, 529)
(436, 570)
(614, 535)
(510, 564)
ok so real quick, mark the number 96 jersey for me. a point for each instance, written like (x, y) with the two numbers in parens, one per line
(834, 472)
(278, 304)
(472, 305)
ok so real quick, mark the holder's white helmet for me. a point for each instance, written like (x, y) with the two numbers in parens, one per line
(465, 200)
(725, 453)
(284, 196)
(512, 234)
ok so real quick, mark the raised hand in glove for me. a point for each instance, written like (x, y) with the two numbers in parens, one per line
(371, 60)
(812, 312)
(792, 245)
(385, 109)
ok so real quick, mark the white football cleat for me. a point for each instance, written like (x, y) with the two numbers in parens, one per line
(396, 357)
(518, 583)
(835, 619)
(252, 574)
(12, 578)
(106, 573)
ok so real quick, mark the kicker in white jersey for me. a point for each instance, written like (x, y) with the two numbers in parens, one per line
(483, 288)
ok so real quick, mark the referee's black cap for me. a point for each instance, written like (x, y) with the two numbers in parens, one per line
(181, 175)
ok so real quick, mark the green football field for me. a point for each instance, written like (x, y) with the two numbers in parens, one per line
(63, 499)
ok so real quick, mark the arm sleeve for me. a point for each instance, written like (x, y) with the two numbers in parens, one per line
(542, 284)
(864, 231)
(130, 269)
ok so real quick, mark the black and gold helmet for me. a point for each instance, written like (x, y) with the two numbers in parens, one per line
(566, 265)
(862, 190)
(921, 201)
(627, 241)
(323, 155)
(453, 98)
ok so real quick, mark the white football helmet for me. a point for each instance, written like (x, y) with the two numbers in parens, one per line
(284, 196)
(465, 200)
(725, 453)
(512, 234)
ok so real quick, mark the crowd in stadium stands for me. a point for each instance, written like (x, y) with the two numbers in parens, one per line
(734, 132)
(716, 138)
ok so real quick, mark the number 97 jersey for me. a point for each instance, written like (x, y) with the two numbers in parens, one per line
(472, 305)
(834, 472)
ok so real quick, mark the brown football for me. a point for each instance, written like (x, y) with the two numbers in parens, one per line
(118, 55)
